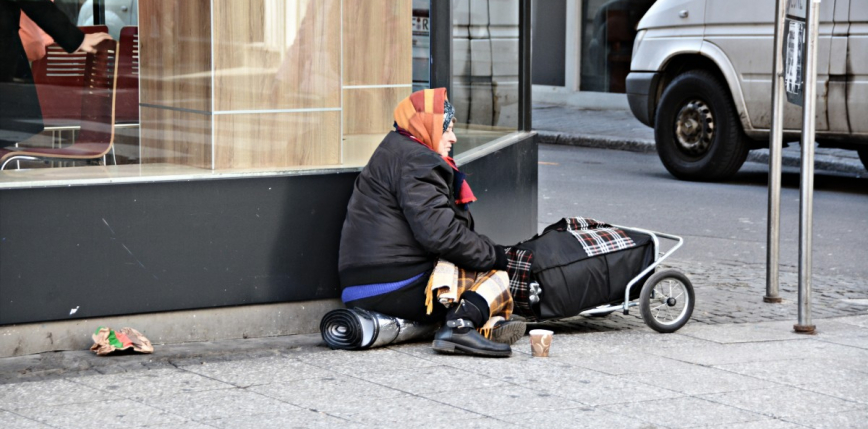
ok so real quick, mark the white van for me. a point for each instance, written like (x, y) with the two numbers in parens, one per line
(701, 76)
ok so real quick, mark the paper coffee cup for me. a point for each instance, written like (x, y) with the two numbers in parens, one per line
(540, 342)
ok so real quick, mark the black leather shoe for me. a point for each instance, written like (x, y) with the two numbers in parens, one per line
(465, 339)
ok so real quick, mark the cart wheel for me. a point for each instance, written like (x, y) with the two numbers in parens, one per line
(666, 301)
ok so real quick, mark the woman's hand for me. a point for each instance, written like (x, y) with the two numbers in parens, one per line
(91, 40)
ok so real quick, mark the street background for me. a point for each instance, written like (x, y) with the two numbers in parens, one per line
(736, 364)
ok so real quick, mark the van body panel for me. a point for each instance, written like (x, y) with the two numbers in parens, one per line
(657, 51)
(669, 14)
(857, 68)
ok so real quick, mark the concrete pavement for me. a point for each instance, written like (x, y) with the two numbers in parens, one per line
(757, 375)
(619, 129)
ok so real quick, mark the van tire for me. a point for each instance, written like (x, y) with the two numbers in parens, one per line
(709, 144)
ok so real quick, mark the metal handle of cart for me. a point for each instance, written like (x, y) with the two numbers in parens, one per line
(658, 258)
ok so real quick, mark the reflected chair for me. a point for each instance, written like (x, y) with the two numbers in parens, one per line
(127, 103)
(59, 79)
(97, 106)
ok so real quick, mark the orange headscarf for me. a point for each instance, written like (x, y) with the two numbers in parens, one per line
(421, 114)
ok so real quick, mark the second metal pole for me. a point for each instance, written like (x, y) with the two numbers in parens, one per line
(806, 207)
(776, 142)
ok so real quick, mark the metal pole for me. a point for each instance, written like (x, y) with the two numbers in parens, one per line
(806, 208)
(773, 251)
(525, 106)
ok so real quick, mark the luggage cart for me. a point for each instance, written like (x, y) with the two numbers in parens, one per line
(666, 301)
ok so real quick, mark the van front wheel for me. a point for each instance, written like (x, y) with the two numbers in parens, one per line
(697, 129)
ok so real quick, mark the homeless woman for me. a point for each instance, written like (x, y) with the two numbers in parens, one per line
(409, 213)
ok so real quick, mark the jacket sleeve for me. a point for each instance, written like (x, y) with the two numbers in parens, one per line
(423, 195)
(51, 20)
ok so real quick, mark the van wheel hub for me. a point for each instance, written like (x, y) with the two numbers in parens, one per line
(694, 128)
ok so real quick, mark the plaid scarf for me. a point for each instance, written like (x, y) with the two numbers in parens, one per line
(518, 267)
(448, 282)
(596, 237)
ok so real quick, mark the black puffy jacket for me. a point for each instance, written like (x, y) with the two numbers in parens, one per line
(402, 218)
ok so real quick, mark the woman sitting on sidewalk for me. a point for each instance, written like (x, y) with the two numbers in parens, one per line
(408, 210)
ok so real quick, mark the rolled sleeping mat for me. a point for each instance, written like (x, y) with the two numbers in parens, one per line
(358, 329)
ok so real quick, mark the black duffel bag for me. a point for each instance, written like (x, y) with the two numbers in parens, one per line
(582, 268)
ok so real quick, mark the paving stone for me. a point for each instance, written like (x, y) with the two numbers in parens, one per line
(499, 402)
(219, 404)
(48, 393)
(844, 420)
(355, 361)
(155, 382)
(294, 419)
(683, 412)
(252, 372)
(406, 410)
(782, 402)
(11, 420)
(757, 424)
(698, 380)
(578, 418)
(309, 393)
(620, 364)
(798, 371)
(121, 413)
(431, 379)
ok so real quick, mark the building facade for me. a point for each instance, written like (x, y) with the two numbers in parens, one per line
(221, 216)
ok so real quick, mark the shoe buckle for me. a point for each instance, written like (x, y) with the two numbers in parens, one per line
(459, 323)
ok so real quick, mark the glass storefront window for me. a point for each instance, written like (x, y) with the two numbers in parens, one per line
(236, 87)
(485, 70)
(608, 31)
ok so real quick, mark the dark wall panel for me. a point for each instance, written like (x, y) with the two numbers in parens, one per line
(505, 182)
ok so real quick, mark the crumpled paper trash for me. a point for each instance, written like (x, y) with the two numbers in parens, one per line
(107, 340)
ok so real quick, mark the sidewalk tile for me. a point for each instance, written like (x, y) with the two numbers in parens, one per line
(10, 420)
(311, 393)
(592, 387)
(431, 379)
(683, 412)
(852, 387)
(766, 423)
(356, 361)
(102, 414)
(48, 393)
(499, 402)
(783, 401)
(698, 380)
(406, 410)
(622, 363)
(185, 425)
(797, 371)
(857, 419)
(296, 419)
(722, 354)
(244, 373)
(217, 404)
(155, 382)
(741, 333)
(577, 418)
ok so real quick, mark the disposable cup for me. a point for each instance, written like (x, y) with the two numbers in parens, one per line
(540, 342)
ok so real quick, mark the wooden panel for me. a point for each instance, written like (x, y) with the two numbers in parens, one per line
(277, 139)
(378, 42)
(371, 110)
(175, 137)
(175, 53)
(277, 54)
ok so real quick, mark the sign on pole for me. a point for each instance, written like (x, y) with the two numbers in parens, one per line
(794, 50)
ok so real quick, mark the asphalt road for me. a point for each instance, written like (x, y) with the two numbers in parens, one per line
(721, 222)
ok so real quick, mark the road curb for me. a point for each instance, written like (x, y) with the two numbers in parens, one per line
(789, 158)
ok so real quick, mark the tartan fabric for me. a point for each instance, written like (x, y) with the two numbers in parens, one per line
(493, 286)
(597, 238)
(518, 266)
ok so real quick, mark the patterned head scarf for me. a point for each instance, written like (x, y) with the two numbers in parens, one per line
(423, 114)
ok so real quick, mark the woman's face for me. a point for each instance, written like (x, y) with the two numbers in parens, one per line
(447, 140)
